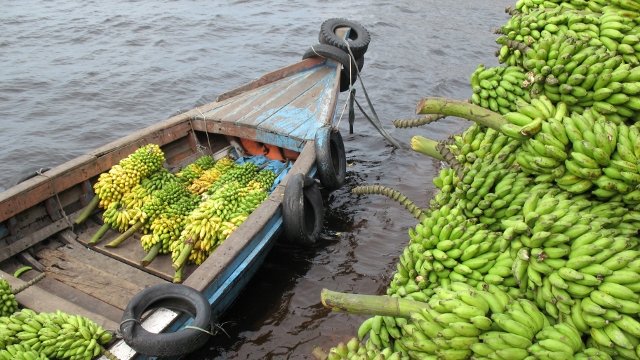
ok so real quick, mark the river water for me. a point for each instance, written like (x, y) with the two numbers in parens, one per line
(76, 75)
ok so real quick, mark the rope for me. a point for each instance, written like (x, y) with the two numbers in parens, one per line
(118, 332)
(349, 96)
(64, 214)
(199, 329)
(206, 130)
(377, 124)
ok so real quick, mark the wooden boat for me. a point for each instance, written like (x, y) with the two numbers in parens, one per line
(285, 108)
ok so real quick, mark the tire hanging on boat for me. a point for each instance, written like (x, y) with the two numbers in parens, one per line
(358, 39)
(302, 210)
(349, 76)
(331, 159)
(173, 297)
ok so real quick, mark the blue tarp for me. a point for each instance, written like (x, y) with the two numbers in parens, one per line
(273, 165)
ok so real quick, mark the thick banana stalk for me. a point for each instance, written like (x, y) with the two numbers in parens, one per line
(461, 109)
(369, 304)
(426, 146)
(153, 252)
(450, 158)
(94, 240)
(394, 194)
(127, 234)
(87, 210)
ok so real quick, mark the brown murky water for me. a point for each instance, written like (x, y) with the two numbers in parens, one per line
(78, 74)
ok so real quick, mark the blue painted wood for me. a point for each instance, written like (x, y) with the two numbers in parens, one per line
(324, 113)
(268, 98)
(297, 116)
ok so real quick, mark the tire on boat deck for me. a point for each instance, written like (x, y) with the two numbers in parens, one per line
(358, 39)
(173, 297)
(331, 160)
(302, 210)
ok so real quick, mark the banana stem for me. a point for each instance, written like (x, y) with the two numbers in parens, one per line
(94, 240)
(153, 252)
(177, 278)
(125, 235)
(184, 255)
(426, 146)
(461, 109)
(318, 354)
(107, 354)
(369, 304)
(29, 283)
(87, 210)
(450, 158)
(409, 123)
(394, 194)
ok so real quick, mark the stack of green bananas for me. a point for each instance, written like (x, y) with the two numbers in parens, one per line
(194, 170)
(118, 216)
(498, 88)
(210, 176)
(215, 219)
(588, 5)
(121, 178)
(353, 349)
(7, 298)
(54, 335)
(242, 174)
(446, 182)
(21, 352)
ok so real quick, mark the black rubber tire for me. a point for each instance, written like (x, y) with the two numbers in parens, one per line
(359, 37)
(332, 52)
(28, 174)
(302, 210)
(329, 52)
(331, 160)
(174, 297)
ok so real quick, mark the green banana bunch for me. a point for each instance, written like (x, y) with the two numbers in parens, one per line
(9, 303)
(121, 178)
(52, 335)
(498, 88)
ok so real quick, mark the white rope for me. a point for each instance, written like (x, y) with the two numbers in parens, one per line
(206, 131)
(348, 96)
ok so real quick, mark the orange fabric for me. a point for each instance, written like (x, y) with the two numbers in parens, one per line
(254, 147)
(290, 154)
(273, 152)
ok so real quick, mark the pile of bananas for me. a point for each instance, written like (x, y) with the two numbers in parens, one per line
(208, 177)
(239, 191)
(121, 178)
(193, 171)
(119, 217)
(242, 174)
(28, 335)
(9, 303)
(541, 205)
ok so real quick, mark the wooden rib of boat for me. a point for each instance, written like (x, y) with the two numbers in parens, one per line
(284, 108)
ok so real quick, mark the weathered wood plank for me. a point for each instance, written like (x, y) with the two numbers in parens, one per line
(273, 76)
(30, 240)
(40, 300)
(262, 104)
(116, 268)
(131, 253)
(88, 279)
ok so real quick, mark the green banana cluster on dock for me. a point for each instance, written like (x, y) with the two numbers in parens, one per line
(541, 204)
(28, 335)
(9, 303)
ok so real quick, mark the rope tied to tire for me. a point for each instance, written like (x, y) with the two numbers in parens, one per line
(348, 53)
